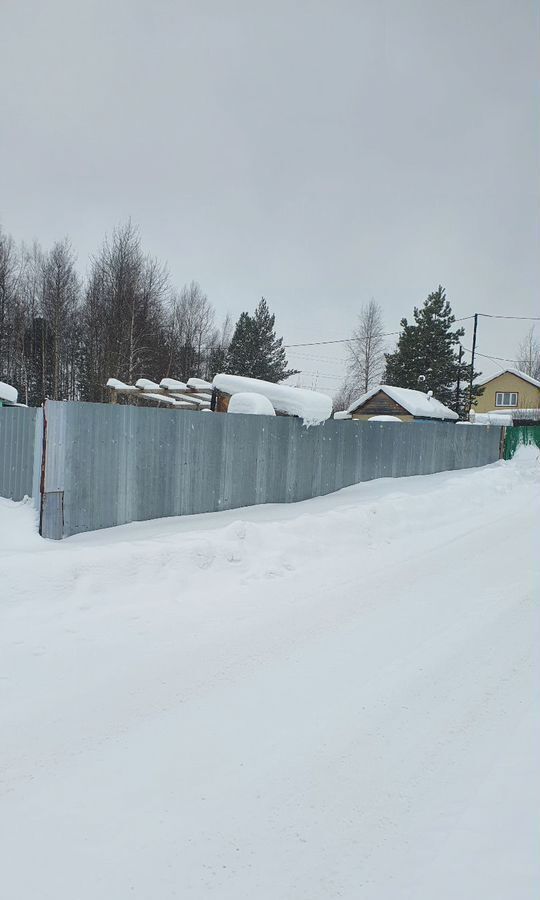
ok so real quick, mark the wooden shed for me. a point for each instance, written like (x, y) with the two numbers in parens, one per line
(404, 403)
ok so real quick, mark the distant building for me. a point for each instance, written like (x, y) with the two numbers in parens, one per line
(403, 403)
(513, 392)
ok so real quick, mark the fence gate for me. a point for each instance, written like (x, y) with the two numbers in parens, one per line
(518, 435)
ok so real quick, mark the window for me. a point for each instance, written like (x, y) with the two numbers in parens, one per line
(506, 398)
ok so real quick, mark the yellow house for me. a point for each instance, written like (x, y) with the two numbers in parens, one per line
(508, 390)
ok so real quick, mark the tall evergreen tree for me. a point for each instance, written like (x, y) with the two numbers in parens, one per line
(426, 356)
(255, 351)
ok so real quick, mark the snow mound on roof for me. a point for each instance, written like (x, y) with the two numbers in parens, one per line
(310, 406)
(171, 384)
(384, 419)
(8, 393)
(144, 384)
(251, 404)
(342, 414)
(415, 402)
(515, 372)
(199, 384)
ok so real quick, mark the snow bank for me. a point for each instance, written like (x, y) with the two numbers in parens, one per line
(310, 406)
(218, 707)
(251, 404)
(415, 402)
(8, 393)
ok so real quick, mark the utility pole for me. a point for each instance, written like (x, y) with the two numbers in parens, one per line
(459, 376)
(472, 358)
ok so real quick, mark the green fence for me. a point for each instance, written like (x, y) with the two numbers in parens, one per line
(520, 434)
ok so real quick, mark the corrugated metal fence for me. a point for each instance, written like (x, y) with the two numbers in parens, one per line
(17, 437)
(108, 465)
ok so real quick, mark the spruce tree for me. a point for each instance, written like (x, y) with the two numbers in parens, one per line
(255, 351)
(426, 356)
(241, 348)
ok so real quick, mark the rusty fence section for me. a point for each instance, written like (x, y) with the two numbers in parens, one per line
(106, 465)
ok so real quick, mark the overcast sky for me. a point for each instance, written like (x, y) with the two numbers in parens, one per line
(318, 153)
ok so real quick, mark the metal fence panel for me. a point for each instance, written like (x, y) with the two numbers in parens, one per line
(110, 464)
(17, 435)
(520, 435)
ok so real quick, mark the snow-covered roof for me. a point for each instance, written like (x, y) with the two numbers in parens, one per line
(251, 404)
(171, 384)
(199, 384)
(310, 406)
(144, 384)
(516, 372)
(416, 403)
(8, 393)
(342, 414)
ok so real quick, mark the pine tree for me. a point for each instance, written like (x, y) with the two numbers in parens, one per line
(425, 357)
(255, 351)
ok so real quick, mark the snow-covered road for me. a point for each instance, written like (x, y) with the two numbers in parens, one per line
(339, 698)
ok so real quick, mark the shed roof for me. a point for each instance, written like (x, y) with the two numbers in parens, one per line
(416, 403)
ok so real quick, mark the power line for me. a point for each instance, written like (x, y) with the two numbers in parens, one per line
(521, 318)
(393, 333)
(486, 356)
(341, 341)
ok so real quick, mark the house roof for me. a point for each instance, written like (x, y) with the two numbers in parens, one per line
(415, 402)
(516, 372)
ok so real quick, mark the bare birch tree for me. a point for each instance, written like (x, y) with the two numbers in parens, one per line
(528, 355)
(366, 349)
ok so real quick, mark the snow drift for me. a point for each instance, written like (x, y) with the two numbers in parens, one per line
(221, 707)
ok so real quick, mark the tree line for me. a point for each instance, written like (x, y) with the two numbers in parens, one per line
(62, 337)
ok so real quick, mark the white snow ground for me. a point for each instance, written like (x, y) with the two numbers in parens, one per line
(334, 699)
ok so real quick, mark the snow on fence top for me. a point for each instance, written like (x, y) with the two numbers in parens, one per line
(310, 406)
(518, 414)
(251, 404)
(8, 393)
(491, 418)
(418, 404)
